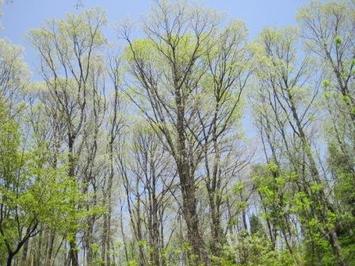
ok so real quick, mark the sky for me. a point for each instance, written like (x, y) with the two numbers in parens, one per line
(20, 16)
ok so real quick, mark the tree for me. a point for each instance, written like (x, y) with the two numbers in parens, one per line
(168, 67)
(138, 157)
(220, 107)
(33, 194)
(70, 64)
(327, 29)
(284, 79)
(149, 181)
(115, 124)
(328, 32)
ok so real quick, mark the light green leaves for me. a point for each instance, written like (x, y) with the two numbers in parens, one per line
(62, 43)
(14, 73)
(274, 52)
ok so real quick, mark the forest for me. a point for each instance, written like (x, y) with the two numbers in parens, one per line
(134, 151)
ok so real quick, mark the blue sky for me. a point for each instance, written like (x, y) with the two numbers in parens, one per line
(22, 15)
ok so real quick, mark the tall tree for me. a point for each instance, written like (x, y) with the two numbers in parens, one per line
(70, 65)
(220, 108)
(328, 32)
(283, 78)
(168, 67)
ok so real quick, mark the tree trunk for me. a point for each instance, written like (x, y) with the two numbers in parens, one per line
(50, 248)
(191, 219)
(106, 238)
(24, 253)
(187, 184)
(73, 253)
(10, 256)
(216, 229)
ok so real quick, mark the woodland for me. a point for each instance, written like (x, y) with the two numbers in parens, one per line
(134, 151)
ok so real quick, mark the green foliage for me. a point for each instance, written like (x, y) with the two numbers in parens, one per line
(298, 210)
(254, 250)
(256, 226)
(32, 191)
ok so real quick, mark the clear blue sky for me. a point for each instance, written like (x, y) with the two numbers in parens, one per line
(22, 15)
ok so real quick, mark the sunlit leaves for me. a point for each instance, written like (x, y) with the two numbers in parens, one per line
(13, 74)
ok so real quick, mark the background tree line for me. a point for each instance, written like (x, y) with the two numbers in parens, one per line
(139, 157)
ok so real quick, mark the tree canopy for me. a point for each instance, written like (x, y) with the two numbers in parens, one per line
(139, 156)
